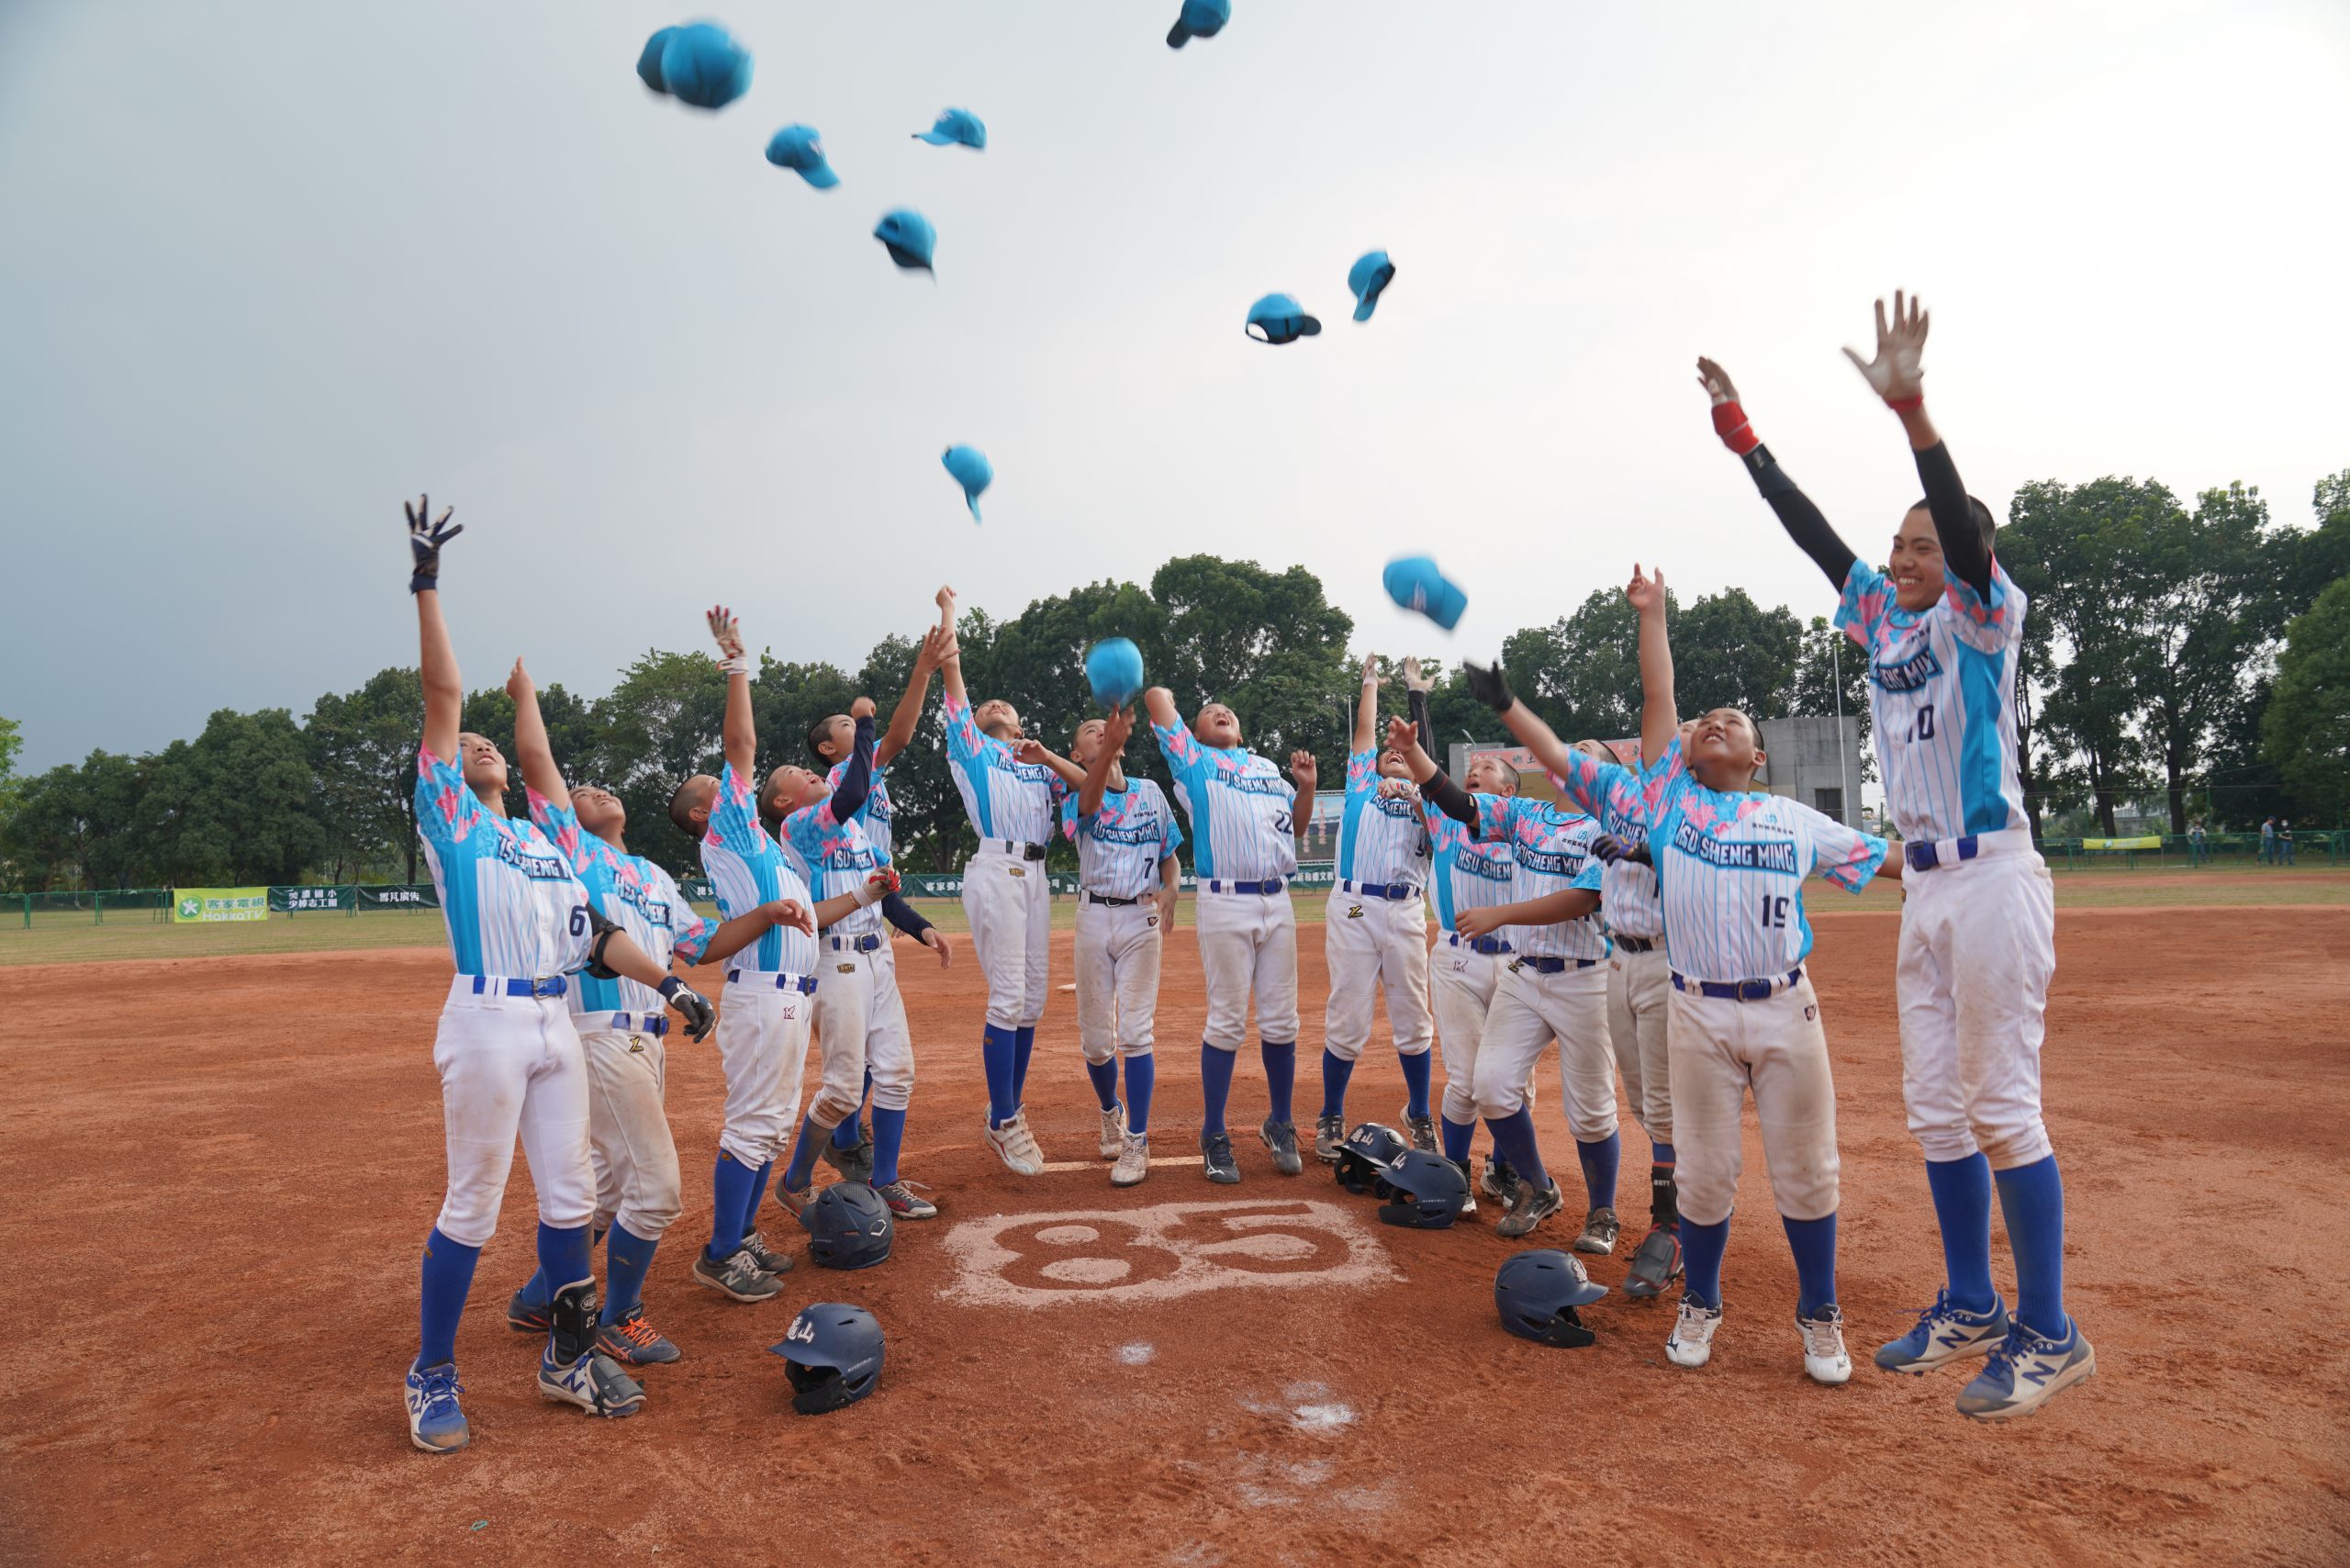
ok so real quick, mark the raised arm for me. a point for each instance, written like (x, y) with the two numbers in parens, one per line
(540, 772)
(741, 733)
(1435, 787)
(1095, 780)
(1804, 522)
(444, 690)
(1308, 775)
(1038, 754)
(857, 779)
(950, 664)
(1367, 706)
(1897, 374)
(1659, 718)
(1160, 703)
(1415, 688)
(908, 713)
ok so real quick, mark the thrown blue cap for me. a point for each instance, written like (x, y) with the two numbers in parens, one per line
(1371, 271)
(648, 65)
(972, 471)
(956, 125)
(908, 237)
(1279, 318)
(799, 147)
(702, 65)
(1113, 668)
(1414, 583)
(1200, 19)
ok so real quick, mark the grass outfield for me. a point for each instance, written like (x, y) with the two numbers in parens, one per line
(72, 939)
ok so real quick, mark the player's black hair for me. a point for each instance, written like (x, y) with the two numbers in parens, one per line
(815, 735)
(679, 812)
(1985, 523)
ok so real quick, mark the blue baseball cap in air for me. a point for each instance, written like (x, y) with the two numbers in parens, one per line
(956, 125)
(1371, 271)
(908, 237)
(1414, 583)
(1279, 318)
(972, 471)
(799, 147)
(1200, 19)
(702, 65)
(648, 65)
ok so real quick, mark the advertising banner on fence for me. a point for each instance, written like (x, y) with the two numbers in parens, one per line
(2148, 841)
(199, 905)
(400, 895)
(291, 901)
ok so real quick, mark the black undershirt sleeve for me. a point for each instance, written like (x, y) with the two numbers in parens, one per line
(1803, 520)
(1963, 549)
(1419, 701)
(856, 781)
(901, 913)
(1452, 801)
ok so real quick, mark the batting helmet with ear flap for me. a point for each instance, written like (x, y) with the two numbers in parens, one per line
(848, 1227)
(1364, 1157)
(1537, 1292)
(832, 1353)
(1430, 1192)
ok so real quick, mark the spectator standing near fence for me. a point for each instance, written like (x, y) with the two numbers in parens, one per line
(2197, 852)
(2285, 839)
(2268, 840)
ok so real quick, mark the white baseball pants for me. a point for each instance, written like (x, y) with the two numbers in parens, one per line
(1376, 945)
(1720, 1047)
(1530, 1010)
(860, 1022)
(1638, 985)
(1460, 988)
(635, 1159)
(510, 1067)
(1978, 948)
(763, 1047)
(1010, 905)
(1249, 942)
(1118, 952)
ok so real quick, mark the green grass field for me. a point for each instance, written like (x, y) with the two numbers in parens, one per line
(65, 938)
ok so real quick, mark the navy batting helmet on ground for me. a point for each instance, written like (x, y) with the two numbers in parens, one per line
(833, 1354)
(1429, 1191)
(848, 1227)
(1364, 1157)
(1537, 1292)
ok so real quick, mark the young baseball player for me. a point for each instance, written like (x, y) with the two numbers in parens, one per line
(1731, 862)
(1942, 625)
(763, 1025)
(1376, 931)
(1010, 804)
(621, 1025)
(1244, 826)
(521, 927)
(1127, 881)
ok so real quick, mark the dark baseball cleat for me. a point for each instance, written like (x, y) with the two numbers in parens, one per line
(736, 1276)
(633, 1342)
(527, 1317)
(905, 1203)
(1499, 1181)
(1330, 1137)
(853, 1164)
(1530, 1210)
(1422, 1130)
(772, 1262)
(1600, 1228)
(1279, 1139)
(1215, 1156)
(1469, 1201)
(1656, 1264)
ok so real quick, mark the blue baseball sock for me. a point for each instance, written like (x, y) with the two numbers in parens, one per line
(564, 1256)
(2032, 1199)
(1814, 1244)
(1702, 1247)
(802, 1168)
(759, 1190)
(1514, 1136)
(1599, 1162)
(1337, 1071)
(1104, 1075)
(996, 1044)
(1415, 1082)
(889, 1138)
(731, 1184)
(445, 1277)
(1660, 1154)
(1215, 1086)
(1961, 1192)
(1142, 1076)
(535, 1290)
(627, 1259)
(1024, 1043)
(1456, 1136)
(1280, 1077)
(846, 1135)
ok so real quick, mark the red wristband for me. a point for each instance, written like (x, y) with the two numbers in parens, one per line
(1905, 404)
(1729, 423)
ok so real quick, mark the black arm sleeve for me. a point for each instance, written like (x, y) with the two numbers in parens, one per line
(1452, 801)
(1964, 550)
(900, 914)
(857, 783)
(1419, 701)
(1801, 519)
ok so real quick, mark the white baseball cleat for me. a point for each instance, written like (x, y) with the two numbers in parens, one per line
(1134, 1159)
(1823, 1346)
(1015, 1147)
(1692, 1344)
(1114, 1130)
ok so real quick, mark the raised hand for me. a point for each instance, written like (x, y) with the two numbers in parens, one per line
(1412, 680)
(1487, 686)
(945, 600)
(1304, 769)
(1897, 372)
(1645, 593)
(937, 647)
(727, 632)
(518, 685)
(1715, 381)
(1402, 734)
(1117, 727)
(1028, 749)
(1371, 669)
(425, 537)
(861, 708)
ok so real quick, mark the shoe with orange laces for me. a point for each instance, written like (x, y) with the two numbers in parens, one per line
(633, 1342)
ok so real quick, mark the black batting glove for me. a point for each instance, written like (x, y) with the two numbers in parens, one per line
(1609, 848)
(425, 538)
(1487, 686)
(700, 1016)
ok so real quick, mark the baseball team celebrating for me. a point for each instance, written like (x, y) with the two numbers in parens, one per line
(1651, 919)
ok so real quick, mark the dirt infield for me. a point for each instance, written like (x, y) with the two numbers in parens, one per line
(222, 1171)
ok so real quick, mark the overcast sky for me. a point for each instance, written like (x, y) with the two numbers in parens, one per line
(264, 269)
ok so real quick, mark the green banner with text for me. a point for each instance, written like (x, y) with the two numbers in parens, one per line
(203, 905)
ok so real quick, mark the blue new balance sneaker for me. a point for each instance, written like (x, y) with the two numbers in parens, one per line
(435, 1423)
(2025, 1371)
(1944, 1334)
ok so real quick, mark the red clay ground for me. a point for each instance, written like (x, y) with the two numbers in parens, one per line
(223, 1170)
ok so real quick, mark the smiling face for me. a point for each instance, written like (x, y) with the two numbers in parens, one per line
(600, 811)
(1391, 764)
(998, 717)
(1493, 774)
(1217, 725)
(1915, 562)
(789, 789)
(483, 763)
(1724, 749)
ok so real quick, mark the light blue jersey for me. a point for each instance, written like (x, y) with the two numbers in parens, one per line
(834, 857)
(1120, 847)
(1469, 873)
(633, 894)
(1381, 841)
(747, 869)
(1942, 690)
(875, 814)
(1239, 805)
(1733, 867)
(1551, 846)
(1629, 899)
(514, 907)
(1006, 798)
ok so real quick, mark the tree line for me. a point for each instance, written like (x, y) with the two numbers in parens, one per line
(2199, 653)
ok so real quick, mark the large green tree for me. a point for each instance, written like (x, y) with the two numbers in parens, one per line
(236, 805)
(1729, 651)
(1581, 673)
(662, 724)
(2307, 729)
(1269, 644)
(363, 747)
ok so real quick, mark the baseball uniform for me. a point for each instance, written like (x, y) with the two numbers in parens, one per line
(1119, 850)
(1555, 985)
(1637, 979)
(1011, 806)
(1243, 855)
(1469, 873)
(1376, 930)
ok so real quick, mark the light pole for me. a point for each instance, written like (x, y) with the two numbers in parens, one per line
(1844, 779)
